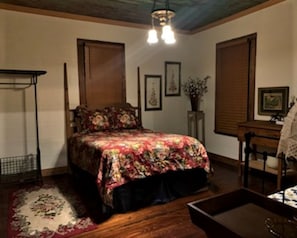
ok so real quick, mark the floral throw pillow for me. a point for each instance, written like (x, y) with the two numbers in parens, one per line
(122, 118)
(81, 113)
(97, 121)
(91, 121)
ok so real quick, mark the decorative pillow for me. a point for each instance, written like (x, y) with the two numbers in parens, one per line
(97, 121)
(91, 121)
(122, 118)
(81, 115)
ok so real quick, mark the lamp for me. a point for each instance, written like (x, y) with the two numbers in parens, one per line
(164, 16)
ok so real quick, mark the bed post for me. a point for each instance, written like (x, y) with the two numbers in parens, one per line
(139, 95)
(66, 104)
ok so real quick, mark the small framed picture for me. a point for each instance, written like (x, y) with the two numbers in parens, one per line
(153, 92)
(172, 78)
(273, 101)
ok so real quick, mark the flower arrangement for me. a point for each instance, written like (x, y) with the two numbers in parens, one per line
(195, 87)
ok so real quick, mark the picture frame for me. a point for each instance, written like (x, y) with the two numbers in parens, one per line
(172, 78)
(273, 101)
(153, 92)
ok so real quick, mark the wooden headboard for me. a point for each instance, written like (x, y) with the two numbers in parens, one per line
(70, 115)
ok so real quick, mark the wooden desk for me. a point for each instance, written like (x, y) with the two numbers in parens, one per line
(265, 134)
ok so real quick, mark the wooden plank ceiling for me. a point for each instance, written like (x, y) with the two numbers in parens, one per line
(191, 15)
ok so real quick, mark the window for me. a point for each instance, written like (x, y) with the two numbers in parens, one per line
(235, 83)
(101, 73)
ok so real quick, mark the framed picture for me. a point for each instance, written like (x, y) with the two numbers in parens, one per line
(172, 78)
(152, 92)
(273, 101)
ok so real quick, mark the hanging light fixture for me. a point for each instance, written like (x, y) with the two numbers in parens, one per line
(164, 16)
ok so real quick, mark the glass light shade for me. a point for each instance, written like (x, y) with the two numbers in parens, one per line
(170, 38)
(168, 35)
(152, 37)
(166, 31)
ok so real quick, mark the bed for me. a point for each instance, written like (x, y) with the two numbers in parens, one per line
(132, 166)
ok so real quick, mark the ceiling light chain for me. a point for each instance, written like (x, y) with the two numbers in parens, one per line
(164, 16)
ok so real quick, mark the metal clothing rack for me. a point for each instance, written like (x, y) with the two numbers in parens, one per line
(9, 165)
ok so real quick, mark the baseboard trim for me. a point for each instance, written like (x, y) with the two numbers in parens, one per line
(222, 159)
(54, 171)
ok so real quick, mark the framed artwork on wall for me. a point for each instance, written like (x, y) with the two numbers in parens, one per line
(273, 101)
(172, 78)
(153, 92)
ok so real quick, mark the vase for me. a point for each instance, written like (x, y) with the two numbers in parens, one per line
(195, 103)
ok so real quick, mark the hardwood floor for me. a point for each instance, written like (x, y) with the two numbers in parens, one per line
(165, 220)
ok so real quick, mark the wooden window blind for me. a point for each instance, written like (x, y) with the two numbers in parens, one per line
(101, 73)
(235, 83)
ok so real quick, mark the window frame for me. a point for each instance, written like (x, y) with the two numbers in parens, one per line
(221, 118)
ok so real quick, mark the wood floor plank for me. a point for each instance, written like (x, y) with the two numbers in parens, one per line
(164, 220)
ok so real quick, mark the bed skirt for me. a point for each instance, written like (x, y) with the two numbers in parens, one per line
(149, 191)
(158, 189)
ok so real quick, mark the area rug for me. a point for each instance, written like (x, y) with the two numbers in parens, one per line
(47, 211)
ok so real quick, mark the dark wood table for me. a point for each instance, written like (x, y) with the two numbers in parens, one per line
(240, 213)
(262, 133)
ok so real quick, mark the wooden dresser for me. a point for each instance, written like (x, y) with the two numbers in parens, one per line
(263, 134)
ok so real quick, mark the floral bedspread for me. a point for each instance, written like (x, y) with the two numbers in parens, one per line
(117, 157)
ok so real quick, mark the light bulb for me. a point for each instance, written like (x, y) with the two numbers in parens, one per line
(170, 39)
(168, 35)
(152, 37)
(166, 31)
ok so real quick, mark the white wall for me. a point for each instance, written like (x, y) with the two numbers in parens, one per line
(294, 48)
(276, 48)
(31, 41)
